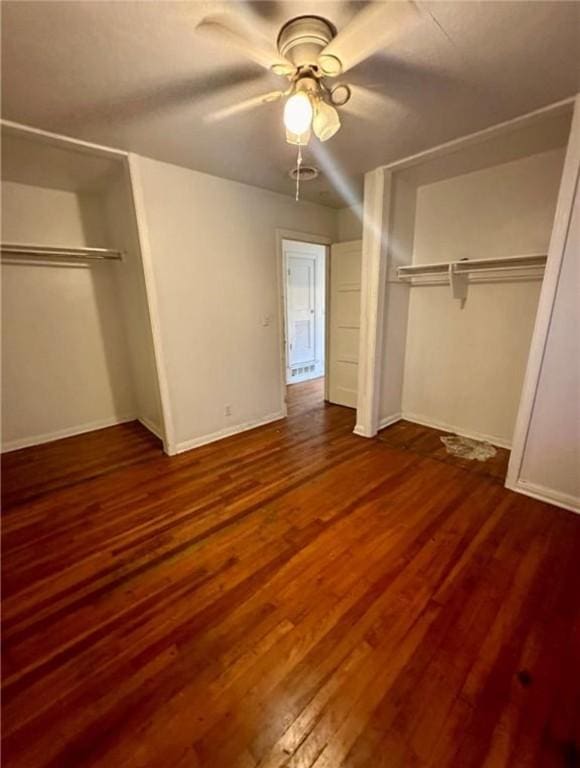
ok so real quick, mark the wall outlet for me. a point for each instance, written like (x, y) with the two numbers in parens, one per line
(228, 410)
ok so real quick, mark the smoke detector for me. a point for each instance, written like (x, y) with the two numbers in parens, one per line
(307, 173)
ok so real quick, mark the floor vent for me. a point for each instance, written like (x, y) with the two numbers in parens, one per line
(302, 371)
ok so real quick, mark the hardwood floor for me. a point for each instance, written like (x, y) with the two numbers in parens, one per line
(426, 441)
(34, 471)
(293, 596)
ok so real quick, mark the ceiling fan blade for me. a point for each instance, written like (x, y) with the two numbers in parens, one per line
(244, 106)
(375, 27)
(257, 50)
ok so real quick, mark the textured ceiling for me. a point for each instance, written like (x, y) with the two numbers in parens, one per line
(137, 76)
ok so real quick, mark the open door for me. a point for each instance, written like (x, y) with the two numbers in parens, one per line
(344, 323)
(305, 268)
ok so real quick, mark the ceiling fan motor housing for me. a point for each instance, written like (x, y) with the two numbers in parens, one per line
(302, 39)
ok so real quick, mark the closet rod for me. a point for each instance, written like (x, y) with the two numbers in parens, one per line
(45, 251)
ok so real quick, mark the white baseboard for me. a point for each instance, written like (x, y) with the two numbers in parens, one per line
(154, 428)
(49, 437)
(501, 442)
(547, 495)
(196, 442)
(386, 421)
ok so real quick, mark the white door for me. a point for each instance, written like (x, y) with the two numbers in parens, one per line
(344, 322)
(304, 309)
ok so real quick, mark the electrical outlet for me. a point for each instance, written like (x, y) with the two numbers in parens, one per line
(228, 410)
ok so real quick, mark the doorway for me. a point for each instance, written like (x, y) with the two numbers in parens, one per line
(304, 269)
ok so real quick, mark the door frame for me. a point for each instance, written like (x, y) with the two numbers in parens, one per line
(302, 237)
(315, 254)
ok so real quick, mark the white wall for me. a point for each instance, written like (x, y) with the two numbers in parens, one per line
(464, 367)
(551, 459)
(349, 224)
(400, 252)
(118, 215)
(213, 247)
(64, 356)
(499, 211)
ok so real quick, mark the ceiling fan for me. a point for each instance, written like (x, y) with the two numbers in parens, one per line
(308, 53)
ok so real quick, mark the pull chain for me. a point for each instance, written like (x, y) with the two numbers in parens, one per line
(298, 165)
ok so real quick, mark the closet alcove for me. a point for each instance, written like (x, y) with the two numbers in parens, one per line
(456, 334)
(77, 350)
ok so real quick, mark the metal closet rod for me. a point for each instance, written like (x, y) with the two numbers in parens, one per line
(46, 251)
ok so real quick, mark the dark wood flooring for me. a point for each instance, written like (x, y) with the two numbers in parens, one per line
(293, 596)
(425, 441)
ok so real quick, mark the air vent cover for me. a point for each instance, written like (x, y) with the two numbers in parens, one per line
(307, 173)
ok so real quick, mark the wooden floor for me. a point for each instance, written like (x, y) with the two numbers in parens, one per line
(426, 441)
(293, 596)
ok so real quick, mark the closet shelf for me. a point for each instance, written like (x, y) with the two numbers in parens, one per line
(457, 272)
(16, 250)
(473, 265)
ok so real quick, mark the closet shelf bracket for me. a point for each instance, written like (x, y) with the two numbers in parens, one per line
(458, 283)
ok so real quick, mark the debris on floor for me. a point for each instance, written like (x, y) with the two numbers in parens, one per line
(466, 448)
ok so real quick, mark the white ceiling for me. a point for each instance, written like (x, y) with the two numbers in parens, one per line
(137, 76)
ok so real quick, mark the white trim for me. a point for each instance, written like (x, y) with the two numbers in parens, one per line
(153, 428)
(386, 421)
(477, 136)
(58, 138)
(376, 212)
(302, 237)
(547, 495)
(187, 445)
(60, 434)
(425, 421)
(319, 254)
(558, 240)
(152, 299)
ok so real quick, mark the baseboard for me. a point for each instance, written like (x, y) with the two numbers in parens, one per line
(386, 421)
(442, 425)
(547, 495)
(157, 431)
(188, 445)
(49, 437)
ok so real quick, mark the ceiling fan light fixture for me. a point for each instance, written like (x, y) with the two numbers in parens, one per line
(340, 94)
(329, 65)
(284, 70)
(298, 113)
(326, 121)
(298, 139)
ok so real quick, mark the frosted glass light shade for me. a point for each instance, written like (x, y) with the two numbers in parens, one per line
(298, 113)
(297, 138)
(326, 121)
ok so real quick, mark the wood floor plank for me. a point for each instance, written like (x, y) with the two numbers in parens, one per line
(294, 596)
